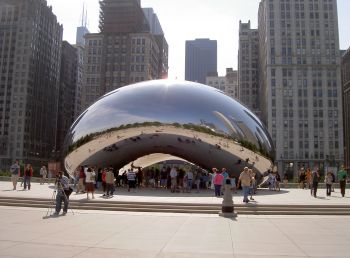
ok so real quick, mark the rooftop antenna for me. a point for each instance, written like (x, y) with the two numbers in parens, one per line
(83, 15)
(86, 19)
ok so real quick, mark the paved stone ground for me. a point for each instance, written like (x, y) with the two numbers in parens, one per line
(26, 232)
(264, 196)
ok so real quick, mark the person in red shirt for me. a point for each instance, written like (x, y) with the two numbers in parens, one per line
(28, 173)
(218, 180)
(104, 183)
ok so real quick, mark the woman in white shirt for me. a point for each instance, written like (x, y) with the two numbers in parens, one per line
(90, 181)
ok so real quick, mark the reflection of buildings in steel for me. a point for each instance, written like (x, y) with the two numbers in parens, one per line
(247, 133)
(172, 123)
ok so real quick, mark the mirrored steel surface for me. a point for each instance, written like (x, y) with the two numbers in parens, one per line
(188, 120)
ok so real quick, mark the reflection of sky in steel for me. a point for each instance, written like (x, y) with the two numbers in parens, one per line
(169, 102)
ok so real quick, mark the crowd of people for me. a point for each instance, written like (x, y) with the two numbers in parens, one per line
(89, 178)
(28, 173)
(310, 179)
(176, 179)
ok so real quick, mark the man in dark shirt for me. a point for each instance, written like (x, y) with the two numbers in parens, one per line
(62, 184)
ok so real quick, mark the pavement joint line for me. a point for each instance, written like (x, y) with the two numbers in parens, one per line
(288, 237)
(230, 221)
(171, 238)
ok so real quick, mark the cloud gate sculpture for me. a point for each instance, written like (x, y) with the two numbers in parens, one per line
(166, 119)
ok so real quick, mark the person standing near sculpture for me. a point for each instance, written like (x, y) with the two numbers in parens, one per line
(89, 182)
(173, 177)
(218, 181)
(110, 183)
(315, 179)
(81, 182)
(27, 175)
(329, 181)
(43, 174)
(62, 185)
(342, 176)
(15, 170)
(245, 181)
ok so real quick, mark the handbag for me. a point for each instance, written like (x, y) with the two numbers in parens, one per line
(68, 191)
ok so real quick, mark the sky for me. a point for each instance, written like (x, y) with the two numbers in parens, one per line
(183, 20)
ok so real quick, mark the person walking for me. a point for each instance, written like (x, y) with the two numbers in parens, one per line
(342, 176)
(308, 178)
(315, 179)
(43, 173)
(163, 178)
(278, 182)
(99, 178)
(89, 182)
(329, 181)
(252, 183)
(226, 176)
(62, 186)
(27, 175)
(245, 181)
(217, 181)
(173, 178)
(110, 183)
(81, 182)
(233, 184)
(189, 175)
(15, 170)
(302, 178)
(131, 180)
(197, 179)
(104, 182)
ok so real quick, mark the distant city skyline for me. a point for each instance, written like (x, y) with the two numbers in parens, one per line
(200, 19)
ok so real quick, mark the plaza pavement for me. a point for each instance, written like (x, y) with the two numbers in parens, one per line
(28, 232)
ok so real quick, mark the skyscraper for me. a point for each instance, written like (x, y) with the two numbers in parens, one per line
(67, 92)
(201, 59)
(300, 82)
(30, 54)
(126, 51)
(227, 83)
(82, 30)
(248, 67)
(346, 88)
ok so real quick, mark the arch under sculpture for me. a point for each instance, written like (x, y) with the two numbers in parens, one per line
(191, 121)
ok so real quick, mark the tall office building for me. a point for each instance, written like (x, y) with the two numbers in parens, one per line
(153, 21)
(300, 80)
(201, 59)
(124, 52)
(82, 30)
(346, 89)
(248, 67)
(30, 53)
(157, 31)
(67, 92)
(232, 83)
(228, 83)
